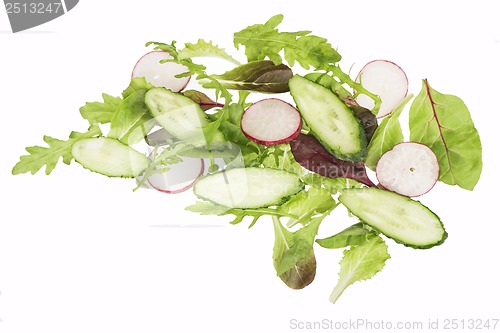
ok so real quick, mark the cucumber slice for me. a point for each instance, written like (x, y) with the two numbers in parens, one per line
(405, 220)
(178, 115)
(109, 157)
(248, 187)
(329, 119)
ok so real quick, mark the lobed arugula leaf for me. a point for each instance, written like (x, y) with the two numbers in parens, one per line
(264, 40)
(443, 123)
(209, 208)
(360, 262)
(207, 81)
(49, 156)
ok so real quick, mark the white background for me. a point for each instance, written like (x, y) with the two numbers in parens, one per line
(80, 252)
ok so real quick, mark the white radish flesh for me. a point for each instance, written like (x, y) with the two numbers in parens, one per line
(160, 74)
(410, 169)
(271, 121)
(179, 178)
(385, 79)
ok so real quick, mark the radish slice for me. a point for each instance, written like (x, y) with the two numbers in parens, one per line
(385, 79)
(410, 169)
(161, 74)
(271, 121)
(180, 177)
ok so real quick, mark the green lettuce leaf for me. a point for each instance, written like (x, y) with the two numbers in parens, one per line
(386, 136)
(354, 235)
(443, 123)
(308, 204)
(261, 75)
(49, 156)
(293, 253)
(360, 263)
(132, 120)
(101, 112)
(203, 48)
(137, 83)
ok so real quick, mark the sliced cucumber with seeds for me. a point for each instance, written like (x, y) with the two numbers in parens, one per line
(329, 119)
(248, 187)
(180, 116)
(405, 220)
(109, 157)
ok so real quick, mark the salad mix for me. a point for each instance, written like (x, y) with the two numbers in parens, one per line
(292, 161)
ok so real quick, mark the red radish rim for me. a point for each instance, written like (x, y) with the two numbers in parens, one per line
(183, 189)
(188, 78)
(273, 142)
(411, 196)
(393, 63)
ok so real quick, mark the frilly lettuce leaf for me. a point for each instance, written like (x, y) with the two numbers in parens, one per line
(360, 263)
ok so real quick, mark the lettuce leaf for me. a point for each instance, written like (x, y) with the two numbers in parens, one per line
(203, 48)
(443, 123)
(293, 253)
(308, 204)
(360, 263)
(386, 136)
(132, 120)
(100, 112)
(356, 234)
(261, 75)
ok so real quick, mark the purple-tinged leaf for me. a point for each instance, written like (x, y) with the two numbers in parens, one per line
(311, 154)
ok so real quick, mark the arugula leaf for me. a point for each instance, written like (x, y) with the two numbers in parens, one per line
(359, 263)
(49, 156)
(132, 120)
(207, 81)
(100, 112)
(293, 253)
(354, 235)
(444, 124)
(264, 40)
(386, 136)
(261, 40)
(209, 208)
(261, 75)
